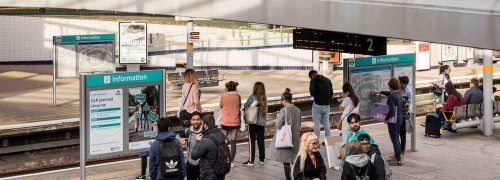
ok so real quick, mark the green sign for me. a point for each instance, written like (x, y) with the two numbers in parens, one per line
(381, 60)
(138, 115)
(113, 79)
(152, 116)
(91, 37)
(146, 107)
(140, 97)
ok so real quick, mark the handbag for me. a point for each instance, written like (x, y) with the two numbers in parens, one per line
(250, 114)
(339, 125)
(284, 135)
(184, 116)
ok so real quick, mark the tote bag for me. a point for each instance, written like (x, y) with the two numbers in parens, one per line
(284, 135)
(250, 114)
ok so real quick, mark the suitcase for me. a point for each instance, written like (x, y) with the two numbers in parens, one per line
(433, 125)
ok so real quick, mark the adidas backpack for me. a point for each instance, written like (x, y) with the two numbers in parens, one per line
(388, 172)
(168, 158)
(222, 165)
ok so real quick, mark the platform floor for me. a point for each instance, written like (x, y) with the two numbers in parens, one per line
(464, 155)
(27, 96)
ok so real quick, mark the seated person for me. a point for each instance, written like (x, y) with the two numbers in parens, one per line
(454, 99)
(481, 86)
(474, 95)
(354, 121)
(375, 156)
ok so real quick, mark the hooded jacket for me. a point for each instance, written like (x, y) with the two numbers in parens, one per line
(321, 89)
(153, 157)
(360, 164)
(206, 150)
(378, 163)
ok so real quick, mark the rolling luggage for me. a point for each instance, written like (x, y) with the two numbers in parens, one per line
(433, 125)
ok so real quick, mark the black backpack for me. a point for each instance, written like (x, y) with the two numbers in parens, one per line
(222, 164)
(168, 158)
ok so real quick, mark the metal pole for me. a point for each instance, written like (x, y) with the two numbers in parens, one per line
(82, 127)
(189, 47)
(54, 63)
(488, 93)
(414, 110)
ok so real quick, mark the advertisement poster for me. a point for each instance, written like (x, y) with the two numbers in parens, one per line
(133, 43)
(142, 116)
(423, 55)
(331, 57)
(449, 53)
(106, 121)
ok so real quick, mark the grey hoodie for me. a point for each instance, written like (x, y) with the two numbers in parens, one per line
(358, 160)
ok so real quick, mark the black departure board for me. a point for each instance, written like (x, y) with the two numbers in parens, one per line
(339, 42)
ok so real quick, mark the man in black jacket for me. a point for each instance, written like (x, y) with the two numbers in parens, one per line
(206, 149)
(375, 156)
(321, 89)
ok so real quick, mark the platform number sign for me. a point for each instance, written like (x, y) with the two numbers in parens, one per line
(339, 42)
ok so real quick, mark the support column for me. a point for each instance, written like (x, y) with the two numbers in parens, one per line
(488, 123)
(189, 47)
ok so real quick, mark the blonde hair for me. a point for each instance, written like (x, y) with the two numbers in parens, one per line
(190, 77)
(305, 140)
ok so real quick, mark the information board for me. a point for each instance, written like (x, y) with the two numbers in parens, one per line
(368, 74)
(115, 123)
(106, 121)
(96, 57)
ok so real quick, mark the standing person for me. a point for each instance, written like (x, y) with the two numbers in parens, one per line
(291, 114)
(357, 164)
(166, 156)
(230, 104)
(349, 105)
(257, 130)
(309, 164)
(190, 100)
(444, 77)
(138, 118)
(206, 149)
(406, 98)
(190, 134)
(321, 89)
(395, 103)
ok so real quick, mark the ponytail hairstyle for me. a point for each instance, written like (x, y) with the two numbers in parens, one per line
(442, 69)
(287, 96)
(231, 86)
(259, 92)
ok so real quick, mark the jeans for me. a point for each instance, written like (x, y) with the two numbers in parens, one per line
(231, 136)
(320, 115)
(257, 133)
(211, 177)
(402, 134)
(394, 134)
(193, 172)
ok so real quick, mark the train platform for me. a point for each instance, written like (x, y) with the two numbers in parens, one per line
(464, 155)
(26, 96)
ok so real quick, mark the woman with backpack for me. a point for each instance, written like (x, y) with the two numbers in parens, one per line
(309, 164)
(257, 99)
(350, 105)
(357, 164)
(230, 105)
(289, 115)
(190, 100)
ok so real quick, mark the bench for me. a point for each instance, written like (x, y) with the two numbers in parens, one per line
(175, 80)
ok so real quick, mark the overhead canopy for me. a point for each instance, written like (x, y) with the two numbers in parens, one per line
(473, 23)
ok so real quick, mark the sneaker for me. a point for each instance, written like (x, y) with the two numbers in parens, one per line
(261, 162)
(393, 162)
(141, 177)
(248, 163)
(232, 165)
(422, 123)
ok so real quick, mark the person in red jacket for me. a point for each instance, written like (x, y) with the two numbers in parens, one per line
(454, 99)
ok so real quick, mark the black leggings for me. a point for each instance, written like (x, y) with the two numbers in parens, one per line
(231, 134)
(257, 133)
(144, 165)
(288, 170)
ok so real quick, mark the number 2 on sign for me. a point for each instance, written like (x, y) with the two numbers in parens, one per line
(370, 40)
